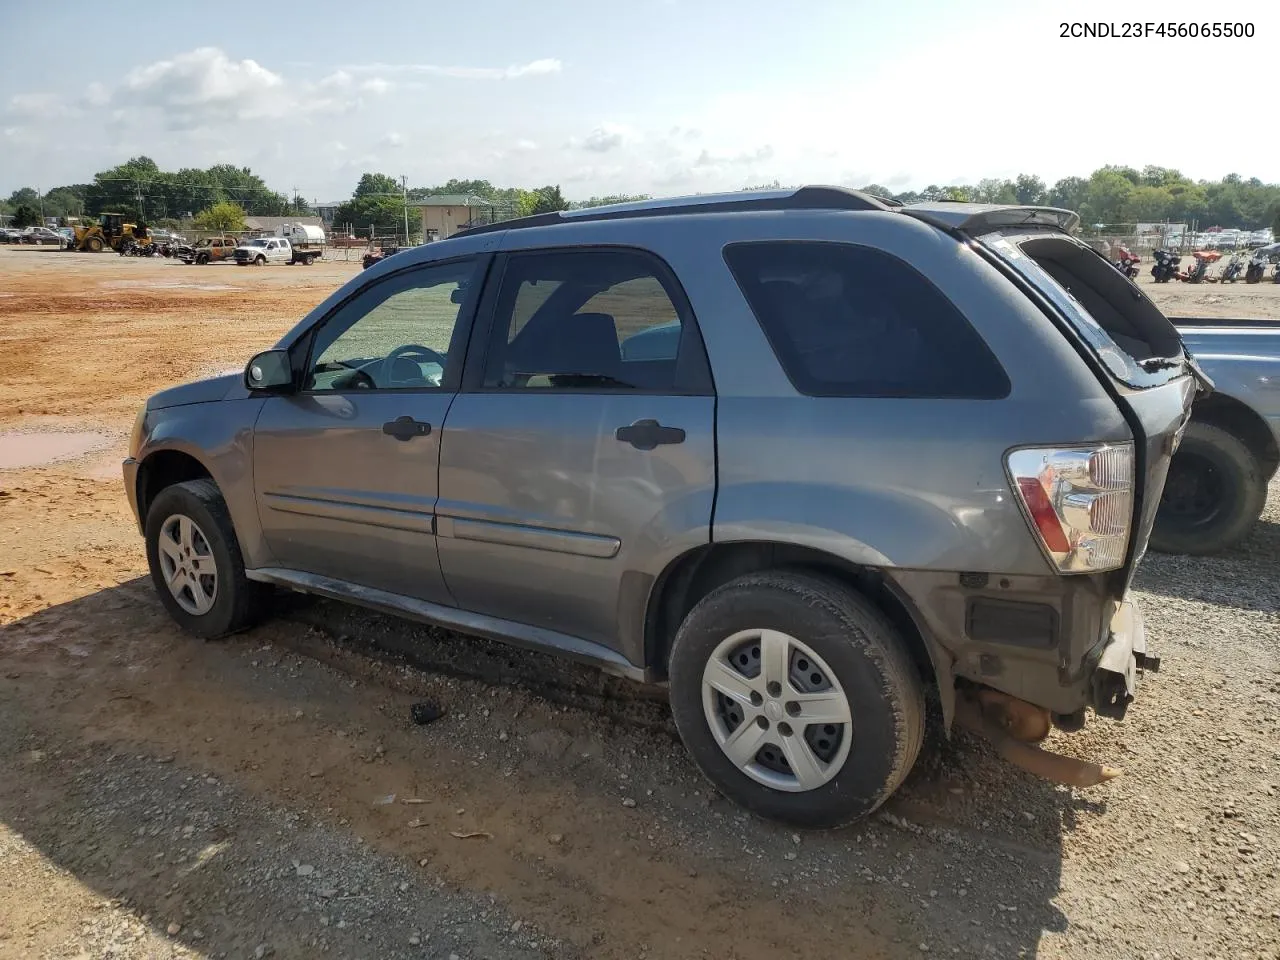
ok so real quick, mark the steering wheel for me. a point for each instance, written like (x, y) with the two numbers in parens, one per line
(388, 363)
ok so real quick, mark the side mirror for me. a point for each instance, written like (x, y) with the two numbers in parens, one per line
(269, 370)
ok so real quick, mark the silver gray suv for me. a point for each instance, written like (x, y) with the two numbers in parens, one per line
(811, 458)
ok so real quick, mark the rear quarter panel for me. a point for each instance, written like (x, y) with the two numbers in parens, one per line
(909, 483)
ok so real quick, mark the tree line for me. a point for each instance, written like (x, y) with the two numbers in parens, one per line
(1118, 195)
(141, 190)
(1111, 196)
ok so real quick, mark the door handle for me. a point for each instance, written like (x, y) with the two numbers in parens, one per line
(406, 428)
(647, 434)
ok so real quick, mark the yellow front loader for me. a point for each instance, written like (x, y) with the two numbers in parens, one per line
(110, 231)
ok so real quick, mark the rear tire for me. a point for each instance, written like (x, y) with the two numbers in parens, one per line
(1214, 494)
(834, 645)
(191, 543)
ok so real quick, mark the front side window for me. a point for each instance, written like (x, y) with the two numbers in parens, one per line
(593, 319)
(852, 321)
(397, 335)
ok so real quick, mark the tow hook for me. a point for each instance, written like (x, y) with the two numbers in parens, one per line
(1013, 726)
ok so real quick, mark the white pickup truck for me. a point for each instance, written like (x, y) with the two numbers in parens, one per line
(296, 244)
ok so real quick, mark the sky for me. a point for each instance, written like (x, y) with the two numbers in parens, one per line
(661, 97)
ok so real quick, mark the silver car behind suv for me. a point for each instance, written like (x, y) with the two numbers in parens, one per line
(809, 457)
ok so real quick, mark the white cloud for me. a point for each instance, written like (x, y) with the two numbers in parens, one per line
(525, 146)
(35, 105)
(534, 68)
(392, 139)
(204, 87)
(376, 85)
(97, 95)
(604, 138)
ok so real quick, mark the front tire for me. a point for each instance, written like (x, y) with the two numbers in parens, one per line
(196, 564)
(796, 698)
(259, 261)
(1214, 494)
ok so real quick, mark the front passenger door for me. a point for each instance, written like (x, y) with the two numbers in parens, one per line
(345, 470)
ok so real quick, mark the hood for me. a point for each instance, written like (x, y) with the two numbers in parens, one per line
(201, 391)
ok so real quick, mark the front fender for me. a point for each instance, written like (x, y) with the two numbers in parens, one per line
(220, 437)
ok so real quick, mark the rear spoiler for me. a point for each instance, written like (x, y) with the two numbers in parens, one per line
(976, 218)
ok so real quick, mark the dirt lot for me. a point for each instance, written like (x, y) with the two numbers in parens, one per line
(268, 796)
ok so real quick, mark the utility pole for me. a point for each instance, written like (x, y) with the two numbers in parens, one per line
(40, 193)
(404, 194)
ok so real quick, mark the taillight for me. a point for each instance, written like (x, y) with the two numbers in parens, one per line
(1079, 502)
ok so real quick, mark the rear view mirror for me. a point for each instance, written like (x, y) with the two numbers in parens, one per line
(269, 370)
(458, 295)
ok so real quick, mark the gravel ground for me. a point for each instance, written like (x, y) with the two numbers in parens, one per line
(166, 798)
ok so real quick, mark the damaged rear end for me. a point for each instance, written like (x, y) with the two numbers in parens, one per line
(1091, 507)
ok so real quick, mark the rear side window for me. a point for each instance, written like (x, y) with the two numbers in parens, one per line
(852, 321)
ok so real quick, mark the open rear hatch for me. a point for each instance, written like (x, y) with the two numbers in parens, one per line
(1136, 351)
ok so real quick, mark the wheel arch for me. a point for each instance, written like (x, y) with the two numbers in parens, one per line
(163, 468)
(1225, 412)
(694, 574)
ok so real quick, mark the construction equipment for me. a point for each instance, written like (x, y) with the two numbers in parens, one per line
(111, 230)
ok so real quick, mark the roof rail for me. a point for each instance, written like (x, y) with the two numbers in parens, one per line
(802, 198)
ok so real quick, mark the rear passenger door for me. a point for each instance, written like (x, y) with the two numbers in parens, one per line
(574, 464)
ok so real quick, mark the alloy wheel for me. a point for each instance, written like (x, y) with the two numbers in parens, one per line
(187, 564)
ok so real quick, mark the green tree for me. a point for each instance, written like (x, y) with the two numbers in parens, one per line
(223, 217)
(377, 184)
(1069, 193)
(1029, 189)
(1109, 191)
(1129, 173)
(1188, 202)
(1148, 204)
(549, 200)
(1153, 176)
(25, 196)
(876, 190)
(26, 216)
(65, 201)
(995, 191)
(383, 215)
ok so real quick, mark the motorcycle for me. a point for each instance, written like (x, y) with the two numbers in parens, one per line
(1128, 263)
(1197, 273)
(1166, 265)
(1231, 272)
(1257, 268)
